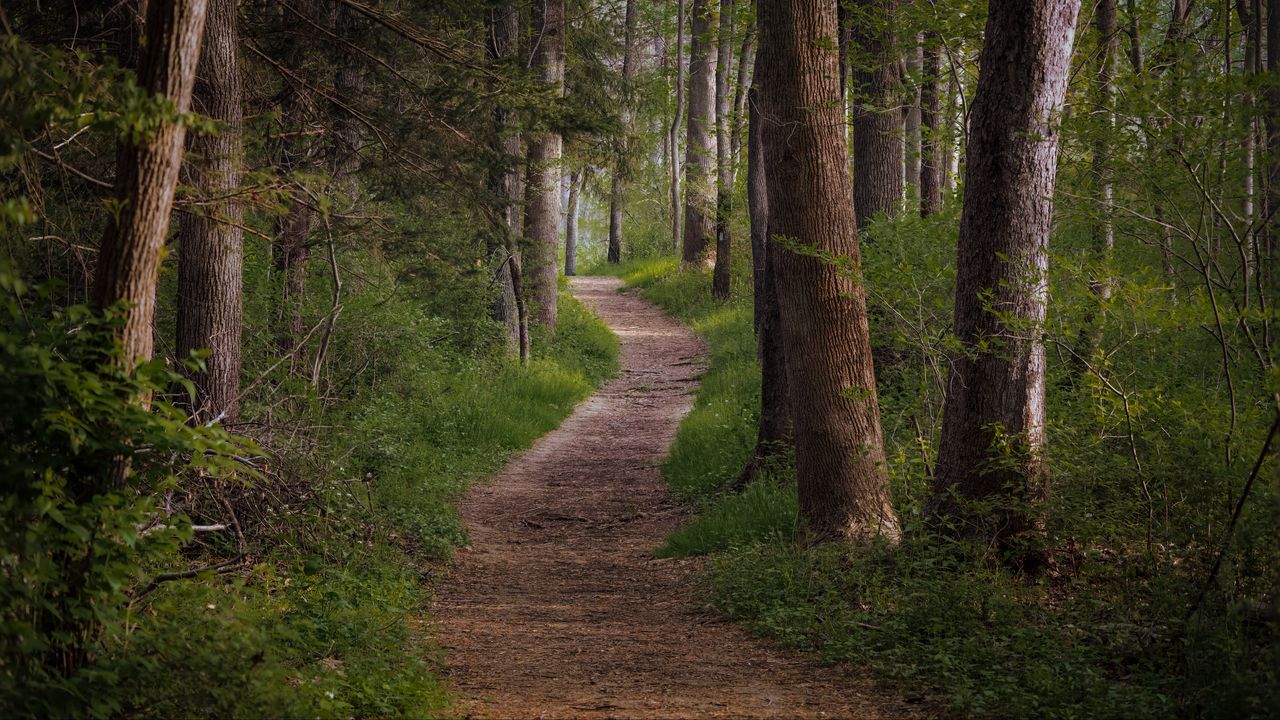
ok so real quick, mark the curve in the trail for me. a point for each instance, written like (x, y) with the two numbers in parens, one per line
(558, 609)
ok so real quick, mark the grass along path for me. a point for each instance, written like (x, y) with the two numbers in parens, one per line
(558, 607)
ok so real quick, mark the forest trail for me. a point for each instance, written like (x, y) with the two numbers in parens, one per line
(558, 609)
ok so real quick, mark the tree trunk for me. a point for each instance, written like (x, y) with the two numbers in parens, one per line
(700, 150)
(674, 131)
(877, 113)
(912, 121)
(746, 62)
(933, 127)
(571, 223)
(720, 277)
(1103, 231)
(147, 174)
(542, 191)
(840, 464)
(994, 417)
(1272, 210)
(621, 168)
(504, 182)
(774, 436)
(211, 243)
(348, 85)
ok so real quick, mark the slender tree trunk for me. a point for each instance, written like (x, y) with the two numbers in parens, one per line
(571, 223)
(932, 129)
(674, 131)
(621, 168)
(840, 464)
(747, 61)
(700, 149)
(993, 428)
(542, 191)
(1273, 140)
(1103, 232)
(211, 244)
(720, 277)
(774, 436)
(147, 174)
(877, 113)
(504, 182)
(913, 120)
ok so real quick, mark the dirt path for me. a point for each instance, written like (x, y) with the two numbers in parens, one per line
(557, 609)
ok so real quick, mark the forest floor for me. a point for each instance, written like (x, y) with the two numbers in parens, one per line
(558, 608)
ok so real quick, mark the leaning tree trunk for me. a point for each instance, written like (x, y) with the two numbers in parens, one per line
(993, 428)
(774, 435)
(504, 183)
(720, 278)
(840, 464)
(146, 176)
(621, 167)
(931, 130)
(877, 114)
(211, 242)
(576, 179)
(542, 191)
(700, 150)
(674, 130)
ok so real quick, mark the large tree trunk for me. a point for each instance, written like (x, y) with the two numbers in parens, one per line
(542, 191)
(211, 243)
(621, 168)
(674, 131)
(576, 179)
(147, 174)
(993, 426)
(720, 277)
(877, 113)
(932, 127)
(840, 464)
(504, 182)
(700, 150)
(774, 434)
(348, 84)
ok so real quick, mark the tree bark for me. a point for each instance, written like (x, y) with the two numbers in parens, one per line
(505, 182)
(542, 190)
(348, 85)
(674, 130)
(147, 174)
(877, 113)
(840, 464)
(571, 223)
(621, 168)
(211, 243)
(1103, 231)
(912, 121)
(932, 129)
(774, 435)
(1273, 139)
(720, 276)
(993, 428)
(700, 150)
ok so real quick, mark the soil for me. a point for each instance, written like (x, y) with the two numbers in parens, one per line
(558, 609)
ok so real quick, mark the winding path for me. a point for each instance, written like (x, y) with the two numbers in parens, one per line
(557, 609)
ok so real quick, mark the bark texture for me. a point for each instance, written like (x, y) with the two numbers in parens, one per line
(147, 174)
(674, 131)
(504, 183)
(840, 469)
(720, 278)
(877, 112)
(542, 190)
(211, 242)
(993, 420)
(700, 149)
(621, 167)
(931, 129)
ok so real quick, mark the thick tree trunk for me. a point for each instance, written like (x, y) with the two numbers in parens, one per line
(147, 174)
(877, 113)
(621, 168)
(504, 182)
(993, 426)
(700, 149)
(932, 126)
(774, 435)
(912, 121)
(677, 217)
(348, 85)
(542, 190)
(571, 223)
(211, 243)
(840, 464)
(720, 277)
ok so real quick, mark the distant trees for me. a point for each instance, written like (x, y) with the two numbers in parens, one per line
(621, 167)
(990, 472)
(700, 149)
(542, 189)
(840, 464)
